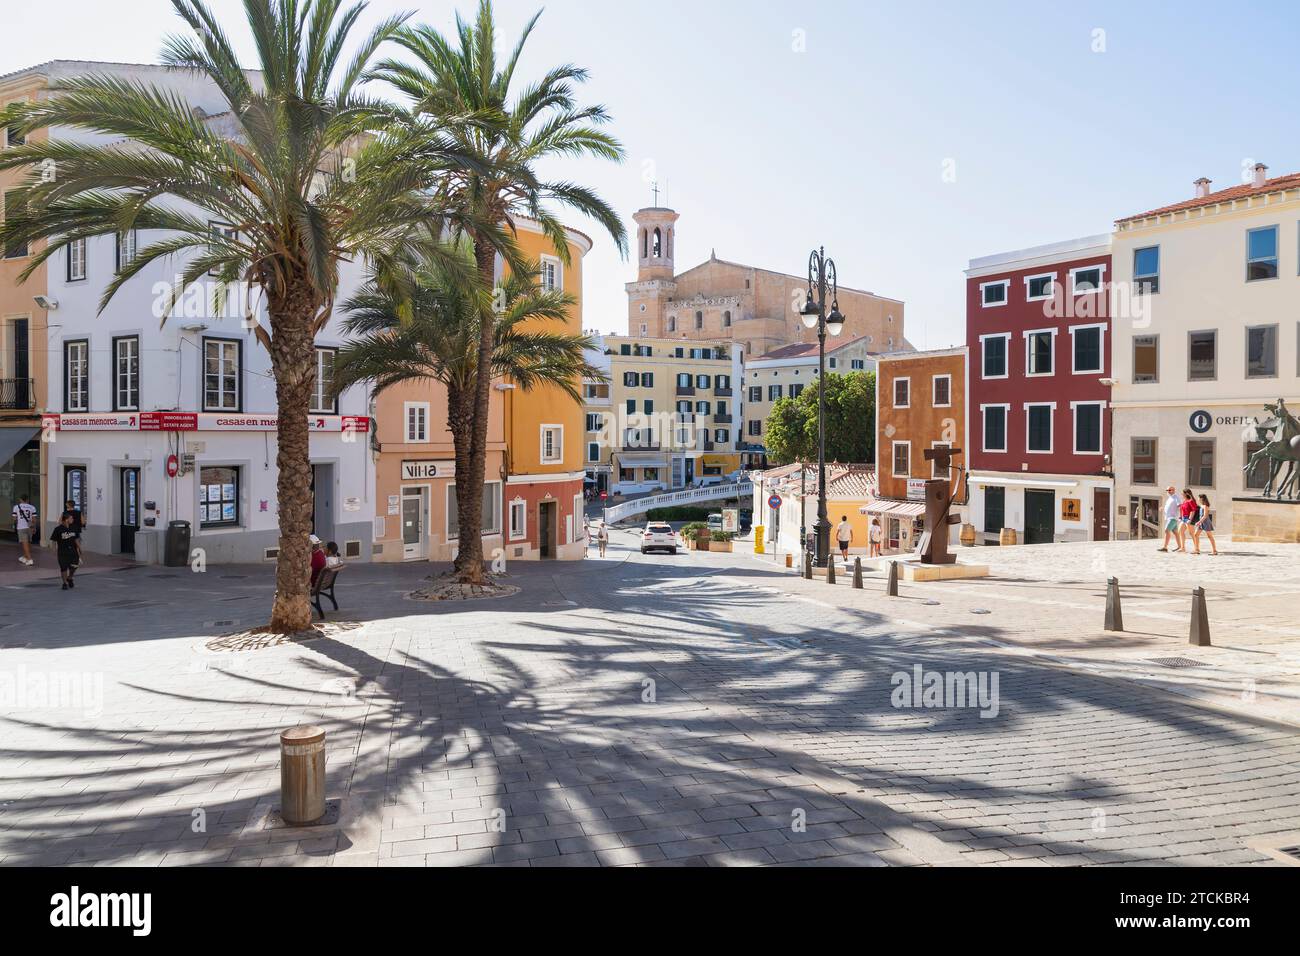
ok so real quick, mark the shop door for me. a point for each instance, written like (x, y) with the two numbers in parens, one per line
(1144, 519)
(413, 511)
(1101, 514)
(129, 510)
(74, 488)
(1040, 517)
(546, 529)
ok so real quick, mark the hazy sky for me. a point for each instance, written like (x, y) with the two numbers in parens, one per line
(905, 137)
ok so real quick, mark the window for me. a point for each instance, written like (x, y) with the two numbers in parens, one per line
(832, 362)
(627, 474)
(995, 427)
(76, 260)
(13, 137)
(994, 350)
(995, 509)
(699, 320)
(417, 422)
(703, 408)
(672, 323)
(222, 369)
(1038, 352)
(683, 381)
(76, 376)
(1257, 477)
(13, 207)
(902, 393)
(1041, 287)
(650, 474)
(124, 251)
(1144, 461)
(994, 293)
(648, 407)
(796, 391)
(221, 230)
(942, 387)
(1200, 463)
(726, 320)
(1088, 343)
(631, 379)
(1261, 253)
(935, 470)
(1202, 350)
(756, 393)
(857, 365)
(218, 497)
(1086, 279)
(721, 383)
(593, 451)
(1146, 359)
(552, 444)
(755, 426)
(625, 349)
(631, 406)
(1261, 351)
(773, 392)
(595, 421)
(323, 401)
(720, 436)
(1087, 427)
(647, 379)
(552, 274)
(519, 519)
(1146, 269)
(902, 459)
(491, 510)
(126, 373)
(1038, 437)
(703, 381)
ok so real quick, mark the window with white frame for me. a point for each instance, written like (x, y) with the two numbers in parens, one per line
(518, 519)
(417, 422)
(903, 392)
(552, 274)
(995, 427)
(1087, 279)
(935, 470)
(552, 444)
(1039, 347)
(993, 355)
(941, 391)
(124, 253)
(1038, 428)
(994, 293)
(323, 401)
(76, 376)
(1146, 269)
(1261, 253)
(219, 497)
(221, 231)
(222, 371)
(902, 459)
(126, 373)
(593, 451)
(1087, 427)
(1088, 343)
(1040, 287)
(491, 510)
(76, 260)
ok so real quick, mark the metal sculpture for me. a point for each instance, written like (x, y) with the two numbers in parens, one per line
(1280, 436)
(940, 494)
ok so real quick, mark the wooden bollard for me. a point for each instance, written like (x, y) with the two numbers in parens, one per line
(807, 566)
(1114, 612)
(830, 569)
(302, 775)
(892, 588)
(857, 573)
(1200, 636)
(789, 560)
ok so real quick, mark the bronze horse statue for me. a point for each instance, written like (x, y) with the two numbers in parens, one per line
(1281, 438)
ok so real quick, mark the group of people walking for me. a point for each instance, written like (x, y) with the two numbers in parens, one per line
(66, 537)
(1187, 517)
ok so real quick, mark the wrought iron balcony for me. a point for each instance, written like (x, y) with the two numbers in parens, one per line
(685, 389)
(722, 392)
(722, 418)
(17, 393)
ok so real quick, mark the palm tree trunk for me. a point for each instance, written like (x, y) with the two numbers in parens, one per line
(292, 353)
(460, 421)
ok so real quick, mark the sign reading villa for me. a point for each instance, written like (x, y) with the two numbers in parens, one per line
(425, 470)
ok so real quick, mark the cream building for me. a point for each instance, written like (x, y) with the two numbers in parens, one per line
(785, 373)
(668, 418)
(1206, 330)
(756, 308)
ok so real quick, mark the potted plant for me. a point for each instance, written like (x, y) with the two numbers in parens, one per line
(696, 535)
(721, 540)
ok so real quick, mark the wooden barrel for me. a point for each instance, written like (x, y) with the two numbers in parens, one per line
(968, 535)
(1008, 537)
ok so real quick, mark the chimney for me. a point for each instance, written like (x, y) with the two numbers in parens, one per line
(1261, 174)
(1202, 187)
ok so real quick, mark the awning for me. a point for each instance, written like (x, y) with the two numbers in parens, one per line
(641, 459)
(13, 438)
(1021, 482)
(896, 509)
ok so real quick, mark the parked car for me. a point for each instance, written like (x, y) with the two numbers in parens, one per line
(715, 522)
(658, 536)
(746, 521)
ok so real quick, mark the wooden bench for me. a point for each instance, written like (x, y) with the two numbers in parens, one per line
(324, 587)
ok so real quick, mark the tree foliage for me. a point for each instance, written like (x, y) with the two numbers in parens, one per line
(791, 432)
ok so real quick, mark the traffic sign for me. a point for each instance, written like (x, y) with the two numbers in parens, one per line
(774, 502)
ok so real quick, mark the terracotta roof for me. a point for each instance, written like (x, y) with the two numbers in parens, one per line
(843, 482)
(1289, 181)
(789, 351)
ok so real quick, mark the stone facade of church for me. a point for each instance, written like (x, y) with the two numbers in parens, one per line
(755, 307)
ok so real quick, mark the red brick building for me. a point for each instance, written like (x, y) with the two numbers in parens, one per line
(1038, 329)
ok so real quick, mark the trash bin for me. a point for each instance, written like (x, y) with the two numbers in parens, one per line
(176, 550)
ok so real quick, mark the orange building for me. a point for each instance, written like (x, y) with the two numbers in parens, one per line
(532, 503)
(920, 405)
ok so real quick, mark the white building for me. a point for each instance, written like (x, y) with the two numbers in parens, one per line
(152, 421)
(1209, 332)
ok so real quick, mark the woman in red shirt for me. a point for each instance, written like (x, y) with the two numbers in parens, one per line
(1187, 515)
(317, 559)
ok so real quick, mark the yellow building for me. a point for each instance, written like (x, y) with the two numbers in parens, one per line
(670, 418)
(533, 479)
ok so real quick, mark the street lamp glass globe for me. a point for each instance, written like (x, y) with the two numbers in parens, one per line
(809, 314)
(835, 321)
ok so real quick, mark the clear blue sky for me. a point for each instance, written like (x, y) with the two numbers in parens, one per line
(767, 152)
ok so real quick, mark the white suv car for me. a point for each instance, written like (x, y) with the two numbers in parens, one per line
(659, 537)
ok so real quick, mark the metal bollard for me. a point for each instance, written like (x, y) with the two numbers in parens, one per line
(807, 566)
(892, 588)
(1114, 612)
(1200, 620)
(830, 569)
(857, 573)
(302, 775)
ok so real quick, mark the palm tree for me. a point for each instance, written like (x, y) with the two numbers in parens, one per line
(437, 338)
(300, 173)
(512, 133)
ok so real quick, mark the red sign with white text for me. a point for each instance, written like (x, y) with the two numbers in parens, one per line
(169, 422)
(193, 421)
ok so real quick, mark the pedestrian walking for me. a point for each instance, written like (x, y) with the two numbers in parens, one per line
(78, 522)
(876, 537)
(1187, 509)
(1171, 516)
(602, 537)
(68, 544)
(844, 536)
(1206, 526)
(25, 526)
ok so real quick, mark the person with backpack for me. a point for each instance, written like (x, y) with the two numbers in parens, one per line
(602, 537)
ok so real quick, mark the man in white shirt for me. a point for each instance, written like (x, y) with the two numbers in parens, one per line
(844, 536)
(1172, 504)
(24, 523)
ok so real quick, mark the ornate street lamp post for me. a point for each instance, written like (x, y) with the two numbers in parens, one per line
(821, 279)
